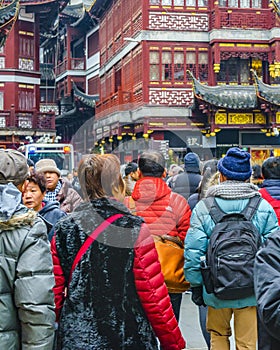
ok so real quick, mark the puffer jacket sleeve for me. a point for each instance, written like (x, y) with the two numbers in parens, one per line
(196, 243)
(33, 290)
(153, 293)
(183, 214)
(267, 281)
(59, 288)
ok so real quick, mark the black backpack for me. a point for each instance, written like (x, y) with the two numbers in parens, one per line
(232, 246)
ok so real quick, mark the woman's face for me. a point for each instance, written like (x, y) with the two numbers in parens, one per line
(32, 197)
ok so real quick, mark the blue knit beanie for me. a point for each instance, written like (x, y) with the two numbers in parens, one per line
(235, 165)
(192, 162)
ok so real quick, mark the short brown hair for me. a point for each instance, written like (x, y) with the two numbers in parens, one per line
(38, 179)
(99, 175)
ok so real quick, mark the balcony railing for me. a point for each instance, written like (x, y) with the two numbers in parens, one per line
(120, 101)
(242, 18)
(71, 64)
(27, 120)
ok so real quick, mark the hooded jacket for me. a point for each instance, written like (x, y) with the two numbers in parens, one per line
(26, 277)
(51, 213)
(68, 198)
(187, 183)
(117, 298)
(164, 212)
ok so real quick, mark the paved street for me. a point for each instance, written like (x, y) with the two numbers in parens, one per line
(190, 327)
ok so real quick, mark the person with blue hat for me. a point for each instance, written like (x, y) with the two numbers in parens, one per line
(231, 195)
(187, 182)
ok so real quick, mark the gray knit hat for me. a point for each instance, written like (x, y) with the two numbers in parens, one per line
(13, 167)
(45, 165)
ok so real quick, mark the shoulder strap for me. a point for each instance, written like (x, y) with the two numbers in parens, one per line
(266, 195)
(87, 243)
(251, 207)
(214, 210)
(217, 214)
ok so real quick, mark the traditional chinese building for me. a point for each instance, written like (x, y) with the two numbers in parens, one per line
(146, 49)
(21, 23)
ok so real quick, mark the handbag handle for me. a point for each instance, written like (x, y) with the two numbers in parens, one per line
(91, 238)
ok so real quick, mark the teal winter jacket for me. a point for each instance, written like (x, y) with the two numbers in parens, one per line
(196, 243)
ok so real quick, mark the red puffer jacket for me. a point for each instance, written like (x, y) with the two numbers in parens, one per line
(164, 211)
(150, 287)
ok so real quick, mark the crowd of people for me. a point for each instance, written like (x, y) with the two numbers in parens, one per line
(79, 267)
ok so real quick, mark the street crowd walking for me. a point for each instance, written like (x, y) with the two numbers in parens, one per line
(79, 267)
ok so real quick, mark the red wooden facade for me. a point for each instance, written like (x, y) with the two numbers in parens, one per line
(20, 114)
(146, 48)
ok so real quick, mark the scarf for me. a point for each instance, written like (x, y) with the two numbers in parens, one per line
(233, 190)
(51, 195)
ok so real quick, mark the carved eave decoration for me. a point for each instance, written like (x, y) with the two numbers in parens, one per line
(276, 7)
(265, 92)
(88, 100)
(97, 7)
(67, 116)
(225, 96)
(8, 16)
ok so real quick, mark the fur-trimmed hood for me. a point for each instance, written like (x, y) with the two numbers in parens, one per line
(12, 213)
(21, 217)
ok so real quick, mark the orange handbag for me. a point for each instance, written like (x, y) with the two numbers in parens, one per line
(171, 257)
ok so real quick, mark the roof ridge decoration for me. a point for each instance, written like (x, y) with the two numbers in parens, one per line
(89, 100)
(266, 92)
(8, 16)
(225, 96)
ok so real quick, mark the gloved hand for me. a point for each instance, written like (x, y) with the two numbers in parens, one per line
(197, 296)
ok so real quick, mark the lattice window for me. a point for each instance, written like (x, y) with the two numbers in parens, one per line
(178, 2)
(241, 3)
(1, 100)
(26, 98)
(234, 70)
(2, 62)
(191, 61)
(166, 2)
(190, 2)
(179, 66)
(245, 3)
(203, 66)
(154, 65)
(166, 66)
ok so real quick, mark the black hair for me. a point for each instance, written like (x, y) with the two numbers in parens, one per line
(271, 168)
(30, 162)
(151, 163)
(256, 171)
(130, 168)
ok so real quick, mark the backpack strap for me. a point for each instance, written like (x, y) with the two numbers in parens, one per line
(93, 236)
(215, 211)
(251, 207)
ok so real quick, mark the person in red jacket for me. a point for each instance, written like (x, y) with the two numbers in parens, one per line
(270, 188)
(116, 296)
(164, 211)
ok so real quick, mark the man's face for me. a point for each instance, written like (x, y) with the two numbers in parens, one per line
(32, 197)
(51, 179)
